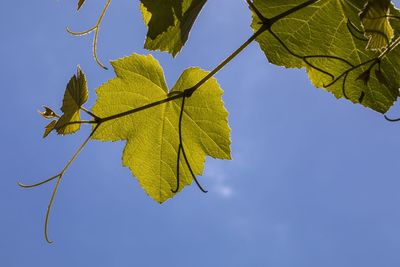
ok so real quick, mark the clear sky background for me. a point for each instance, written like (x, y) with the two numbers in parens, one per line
(314, 181)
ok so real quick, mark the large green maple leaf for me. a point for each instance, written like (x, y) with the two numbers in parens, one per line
(153, 135)
(169, 22)
(318, 38)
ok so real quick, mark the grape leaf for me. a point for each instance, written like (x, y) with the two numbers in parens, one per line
(318, 38)
(169, 23)
(80, 3)
(76, 94)
(376, 23)
(49, 128)
(152, 134)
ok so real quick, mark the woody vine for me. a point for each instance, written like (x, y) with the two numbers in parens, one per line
(170, 132)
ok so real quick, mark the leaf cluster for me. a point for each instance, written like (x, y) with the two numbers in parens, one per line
(347, 47)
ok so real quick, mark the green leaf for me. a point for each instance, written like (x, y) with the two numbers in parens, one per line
(321, 32)
(375, 22)
(80, 3)
(152, 134)
(49, 128)
(76, 94)
(169, 23)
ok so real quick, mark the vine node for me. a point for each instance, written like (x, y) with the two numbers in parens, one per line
(59, 178)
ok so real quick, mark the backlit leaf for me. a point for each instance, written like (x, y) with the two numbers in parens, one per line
(49, 128)
(76, 94)
(313, 36)
(375, 21)
(152, 134)
(169, 22)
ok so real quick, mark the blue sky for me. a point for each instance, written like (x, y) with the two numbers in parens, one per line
(314, 181)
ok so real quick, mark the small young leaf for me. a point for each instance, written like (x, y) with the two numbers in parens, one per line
(48, 113)
(376, 23)
(80, 3)
(152, 134)
(169, 22)
(76, 94)
(49, 128)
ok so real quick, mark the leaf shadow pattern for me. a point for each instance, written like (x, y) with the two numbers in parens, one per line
(96, 121)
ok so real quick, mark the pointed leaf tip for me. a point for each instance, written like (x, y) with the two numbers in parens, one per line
(49, 128)
(76, 94)
(80, 3)
(169, 23)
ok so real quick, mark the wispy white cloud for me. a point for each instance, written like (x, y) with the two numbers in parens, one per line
(219, 181)
(223, 191)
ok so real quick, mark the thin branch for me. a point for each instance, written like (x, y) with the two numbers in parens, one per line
(226, 61)
(390, 48)
(180, 144)
(256, 11)
(177, 170)
(384, 17)
(305, 58)
(59, 176)
(393, 17)
(344, 86)
(95, 28)
(89, 113)
(49, 206)
(191, 172)
(78, 122)
(132, 111)
(188, 92)
(350, 70)
(290, 11)
(345, 75)
(391, 120)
